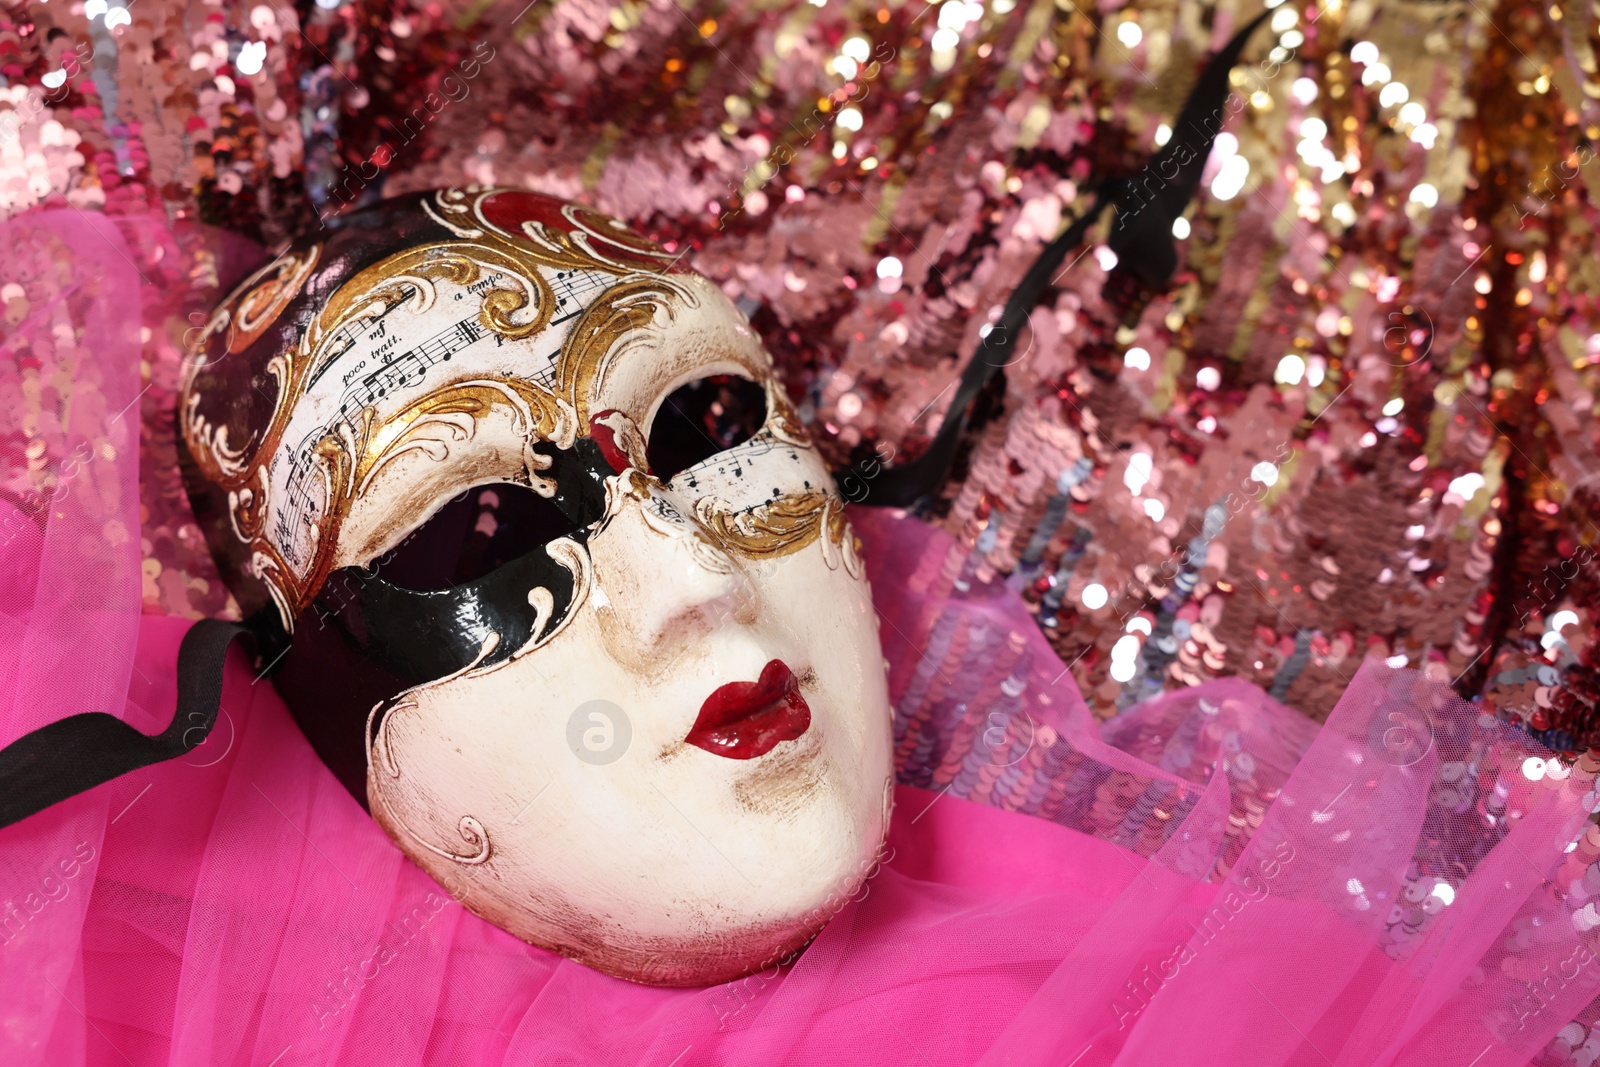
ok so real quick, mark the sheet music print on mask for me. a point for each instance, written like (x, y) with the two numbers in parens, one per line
(386, 361)
(724, 476)
(726, 465)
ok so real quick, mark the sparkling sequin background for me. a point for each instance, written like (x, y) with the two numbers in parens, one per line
(1358, 424)
(1382, 400)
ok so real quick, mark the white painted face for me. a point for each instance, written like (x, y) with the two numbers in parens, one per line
(682, 776)
(558, 792)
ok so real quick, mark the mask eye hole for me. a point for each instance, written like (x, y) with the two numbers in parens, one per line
(700, 419)
(480, 530)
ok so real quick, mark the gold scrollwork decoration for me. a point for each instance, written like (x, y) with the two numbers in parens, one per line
(209, 445)
(352, 454)
(575, 246)
(608, 327)
(783, 422)
(518, 306)
(380, 754)
(247, 507)
(538, 415)
(254, 304)
(780, 527)
(267, 292)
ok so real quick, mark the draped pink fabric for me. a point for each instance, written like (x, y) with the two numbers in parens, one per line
(1208, 878)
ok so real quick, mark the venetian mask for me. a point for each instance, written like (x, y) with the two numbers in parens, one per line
(567, 598)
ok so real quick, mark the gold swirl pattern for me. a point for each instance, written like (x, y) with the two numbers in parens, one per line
(781, 527)
(266, 293)
(783, 422)
(538, 413)
(380, 754)
(256, 303)
(593, 347)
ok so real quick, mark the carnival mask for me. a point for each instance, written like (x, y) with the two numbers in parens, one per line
(573, 605)
(548, 573)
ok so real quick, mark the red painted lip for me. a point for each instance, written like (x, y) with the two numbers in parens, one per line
(744, 720)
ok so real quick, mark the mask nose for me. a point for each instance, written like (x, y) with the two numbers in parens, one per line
(663, 582)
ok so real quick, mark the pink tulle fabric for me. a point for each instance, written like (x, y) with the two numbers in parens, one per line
(1207, 879)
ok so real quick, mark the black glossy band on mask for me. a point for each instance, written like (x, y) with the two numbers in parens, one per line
(366, 639)
(419, 636)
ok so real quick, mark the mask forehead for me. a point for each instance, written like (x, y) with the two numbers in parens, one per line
(375, 377)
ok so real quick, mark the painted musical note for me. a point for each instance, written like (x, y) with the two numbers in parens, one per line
(575, 290)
